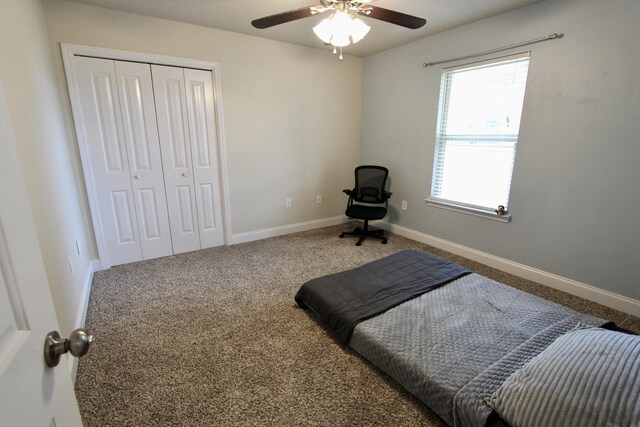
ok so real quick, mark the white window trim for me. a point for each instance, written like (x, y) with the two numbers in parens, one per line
(481, 213)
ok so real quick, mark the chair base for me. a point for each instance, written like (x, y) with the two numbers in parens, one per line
(364, 233)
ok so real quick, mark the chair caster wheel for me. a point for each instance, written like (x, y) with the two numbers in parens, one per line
(384, 242)
(358, 243)
(341, 236)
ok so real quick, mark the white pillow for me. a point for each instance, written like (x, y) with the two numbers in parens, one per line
(588, 377)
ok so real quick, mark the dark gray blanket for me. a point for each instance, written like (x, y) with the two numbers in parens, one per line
(345, 299)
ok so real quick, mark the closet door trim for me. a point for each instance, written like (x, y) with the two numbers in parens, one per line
(69, 51)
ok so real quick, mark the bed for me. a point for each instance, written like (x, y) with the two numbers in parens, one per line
(478, 352)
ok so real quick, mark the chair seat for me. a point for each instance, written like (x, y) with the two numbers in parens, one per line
(365, 212)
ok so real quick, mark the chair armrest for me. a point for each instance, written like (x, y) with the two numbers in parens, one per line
(387, 195)
(348, 192)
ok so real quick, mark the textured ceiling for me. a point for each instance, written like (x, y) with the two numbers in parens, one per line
(236, 16)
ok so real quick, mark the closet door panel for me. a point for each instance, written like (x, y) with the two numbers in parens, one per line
(145, 162)
(151, 227)
(204, 144)
(175, 145)
(121, 211)
(185, 211)
(102, 128)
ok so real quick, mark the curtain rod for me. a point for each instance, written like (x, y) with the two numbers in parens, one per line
(500, 49)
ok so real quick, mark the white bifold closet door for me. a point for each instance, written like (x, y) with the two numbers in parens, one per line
(119, 122)
(204, 143)
(184, 105)
(151, 137)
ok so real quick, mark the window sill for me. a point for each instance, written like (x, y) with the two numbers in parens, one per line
(468, 210)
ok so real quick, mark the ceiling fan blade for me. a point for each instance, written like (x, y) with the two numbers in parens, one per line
(281, 18)
(393, 17)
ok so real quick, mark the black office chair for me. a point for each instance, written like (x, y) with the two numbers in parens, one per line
(370, 190)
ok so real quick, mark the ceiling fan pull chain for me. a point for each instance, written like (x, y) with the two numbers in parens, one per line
(335, 52)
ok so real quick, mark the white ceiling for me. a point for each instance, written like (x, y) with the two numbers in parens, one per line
(236, 16)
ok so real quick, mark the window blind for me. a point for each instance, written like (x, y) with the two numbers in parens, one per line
(478, 124)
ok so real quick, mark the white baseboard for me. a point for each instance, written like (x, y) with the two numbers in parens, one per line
(286, 229)
(610, 299)
(81, 315)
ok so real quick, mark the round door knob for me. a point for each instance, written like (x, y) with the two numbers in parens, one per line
(78, 345)
(79, 342)
(184, 174)
(136, 176)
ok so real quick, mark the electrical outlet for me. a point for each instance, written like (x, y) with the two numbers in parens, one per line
(287, 203)
(404, 205)
(319, 198)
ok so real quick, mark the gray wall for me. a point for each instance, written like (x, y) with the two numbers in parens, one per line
(574, 196)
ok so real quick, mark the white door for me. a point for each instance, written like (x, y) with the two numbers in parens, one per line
(145, 163)
(31, 394)
(175, 144)
(204, 144)
(119, 124)
(102, 128)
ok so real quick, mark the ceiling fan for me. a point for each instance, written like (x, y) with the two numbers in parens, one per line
(342, 27)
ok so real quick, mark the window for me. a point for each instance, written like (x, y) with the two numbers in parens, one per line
(478, 124)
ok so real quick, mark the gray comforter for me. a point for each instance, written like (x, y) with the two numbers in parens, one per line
(454, 346)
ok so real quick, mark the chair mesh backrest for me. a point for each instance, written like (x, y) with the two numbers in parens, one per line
(370, 184)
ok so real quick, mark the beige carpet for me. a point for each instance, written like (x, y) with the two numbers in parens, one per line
(214, 338)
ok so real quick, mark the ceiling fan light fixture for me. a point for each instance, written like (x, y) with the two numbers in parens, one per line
(340, 29)
(340, 40)
(358, 30)
(324, 30)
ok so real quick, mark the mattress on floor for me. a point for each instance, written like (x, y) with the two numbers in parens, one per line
(453, 346)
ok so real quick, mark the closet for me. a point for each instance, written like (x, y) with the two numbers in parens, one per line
(150, 143)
